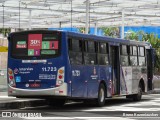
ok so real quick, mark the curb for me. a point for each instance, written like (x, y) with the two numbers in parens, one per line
(22, 104)
(3, 89)
(156, 92)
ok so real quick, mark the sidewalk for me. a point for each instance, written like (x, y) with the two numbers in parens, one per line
(15, 103)
(3, 88)
(156, 91)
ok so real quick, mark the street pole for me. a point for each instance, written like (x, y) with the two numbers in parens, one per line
(30, 19)
(122, 29)
(87, 16)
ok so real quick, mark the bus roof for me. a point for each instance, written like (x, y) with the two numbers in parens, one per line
(108, 39)
(93, 37)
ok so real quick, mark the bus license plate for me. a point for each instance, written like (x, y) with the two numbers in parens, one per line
(35, 85)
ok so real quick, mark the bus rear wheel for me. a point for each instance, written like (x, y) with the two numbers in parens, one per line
(138, 96)
(56, 102)
(101, 96)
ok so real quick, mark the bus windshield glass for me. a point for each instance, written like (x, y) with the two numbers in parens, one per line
(25, 46)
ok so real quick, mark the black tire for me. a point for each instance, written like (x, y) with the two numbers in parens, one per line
(56, 102)
(138, 96)
(100, 101)
(129, 96)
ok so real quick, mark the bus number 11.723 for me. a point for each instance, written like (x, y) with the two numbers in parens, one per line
(47, 69)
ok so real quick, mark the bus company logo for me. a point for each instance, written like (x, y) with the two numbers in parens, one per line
(22, 70)
(16, 71)
(26, 69)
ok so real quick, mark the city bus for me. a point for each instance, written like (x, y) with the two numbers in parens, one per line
(61, 65)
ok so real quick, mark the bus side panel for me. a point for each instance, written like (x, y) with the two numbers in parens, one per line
(144, 77)
(98, 74)
(130, 78)
(68, 71)
(125, 80)
(69, 79)
(79, 81)
(135, 78)
(86, 79)
(138, 74)
(92, 73)
(105, 75)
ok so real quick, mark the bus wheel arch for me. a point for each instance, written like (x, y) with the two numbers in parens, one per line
(141, 83)
(138, 95)
(141, 88)
(102, 90)
(104, 83)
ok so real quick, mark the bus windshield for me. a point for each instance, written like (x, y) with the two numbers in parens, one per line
(40, 46)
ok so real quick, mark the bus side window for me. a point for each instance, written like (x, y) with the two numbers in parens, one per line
(134, 50)
(75, 51)
(124, 55)
(103, 54)
(133, 56)
(90, 53)
(124, 50)
(103, 47)
(141, 56)
(76, 45)
(141, 51)
(91, 47)
(131, 50)
(69, 44)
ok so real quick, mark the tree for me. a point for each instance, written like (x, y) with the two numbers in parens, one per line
(111, 31)
(155, 42)
(131, 35)
(81, 30)
(5, 31)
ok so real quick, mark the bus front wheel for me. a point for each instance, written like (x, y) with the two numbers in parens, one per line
(101, 96)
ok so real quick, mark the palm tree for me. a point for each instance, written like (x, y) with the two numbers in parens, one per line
(155, 42)
(131, 35)
(111, 31)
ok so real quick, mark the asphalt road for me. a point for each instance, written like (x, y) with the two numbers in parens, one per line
(114, 109)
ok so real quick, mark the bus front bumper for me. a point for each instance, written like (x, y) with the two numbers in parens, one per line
(57, 91)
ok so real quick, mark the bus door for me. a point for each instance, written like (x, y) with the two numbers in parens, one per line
(115, 63)
(149, 53)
